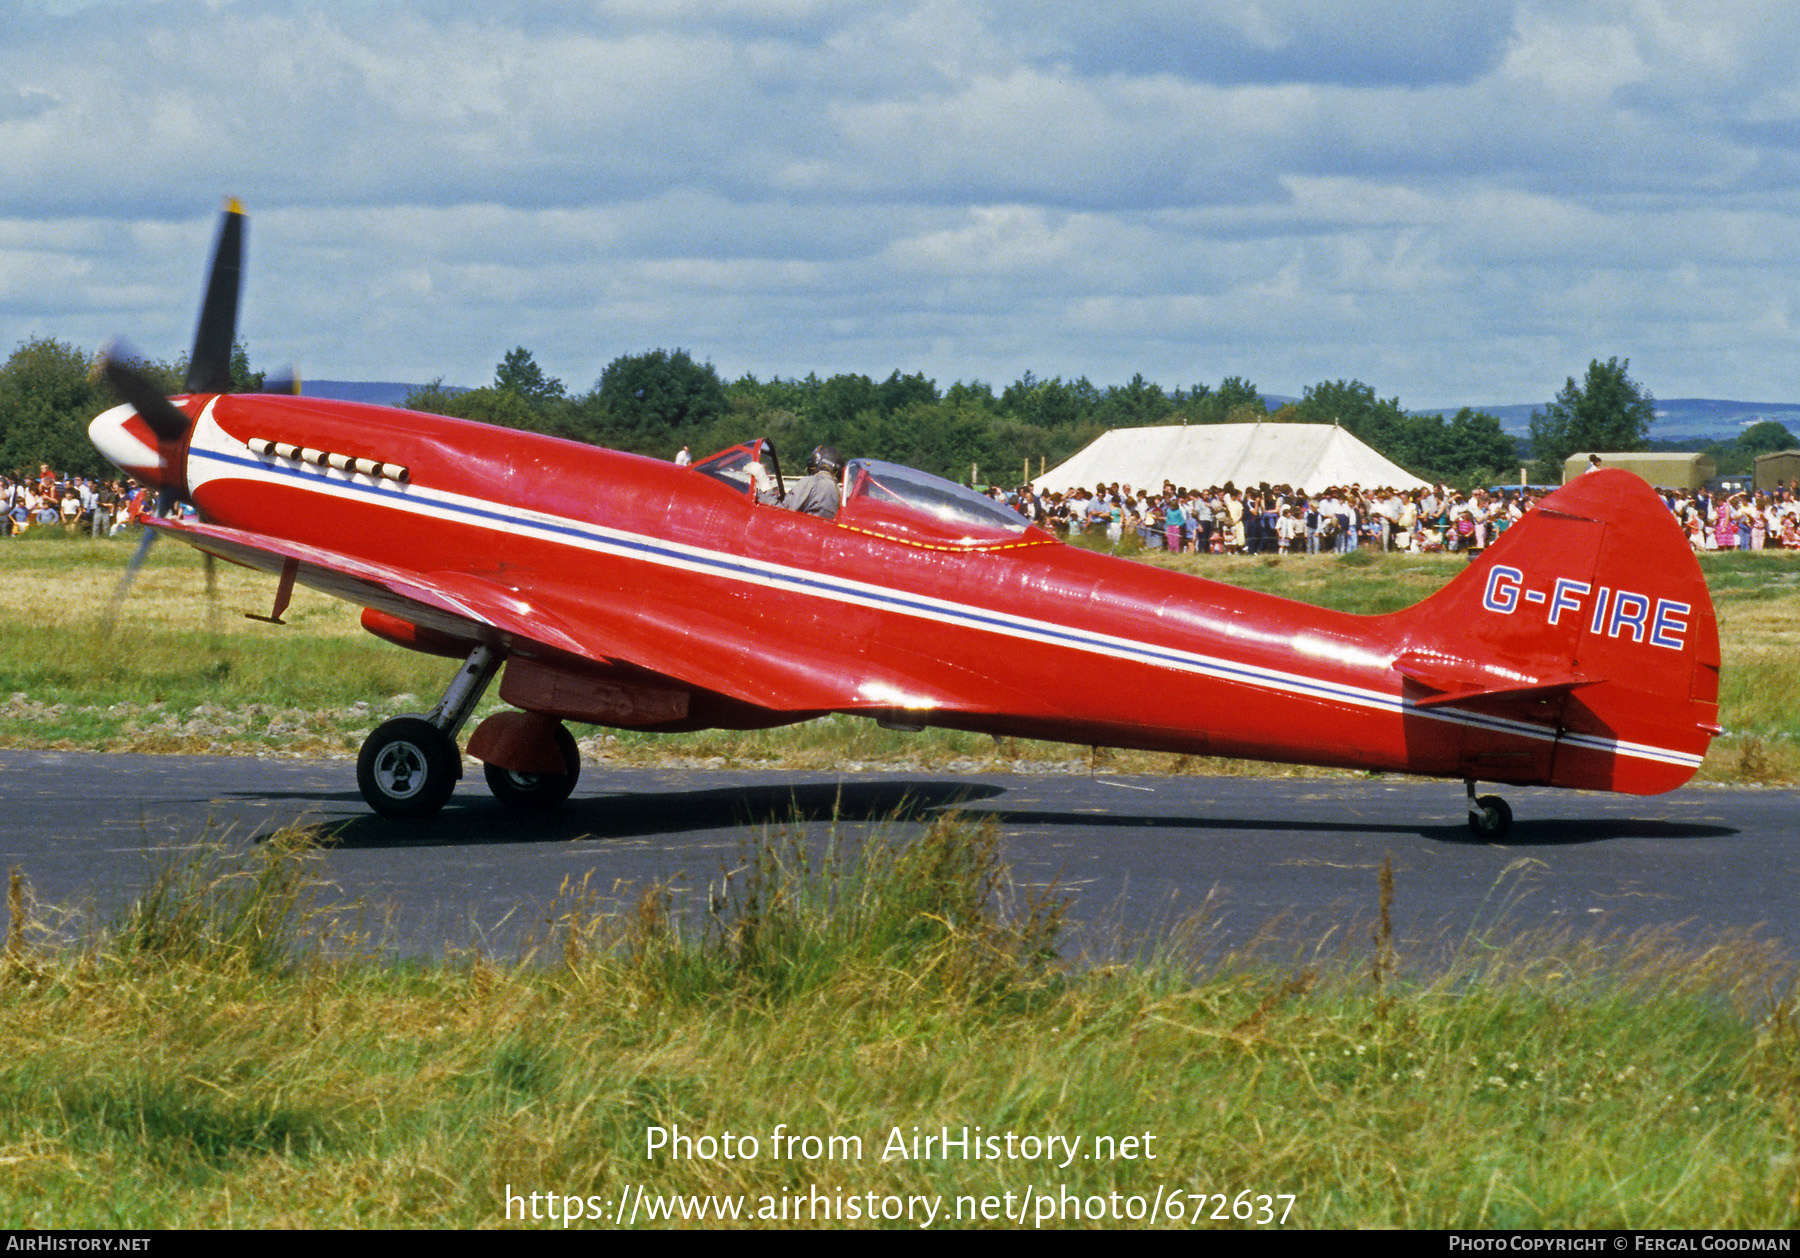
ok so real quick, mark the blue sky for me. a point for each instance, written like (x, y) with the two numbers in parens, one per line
(1453, 202)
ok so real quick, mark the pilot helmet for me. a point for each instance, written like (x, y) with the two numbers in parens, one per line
(825, 459)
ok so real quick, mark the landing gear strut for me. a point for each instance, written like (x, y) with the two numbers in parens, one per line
(409, 766)
(1490, 817)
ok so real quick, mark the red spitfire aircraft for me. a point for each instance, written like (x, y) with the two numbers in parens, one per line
(1580, 650)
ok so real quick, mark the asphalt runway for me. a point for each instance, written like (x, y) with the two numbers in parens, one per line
(1291, 861)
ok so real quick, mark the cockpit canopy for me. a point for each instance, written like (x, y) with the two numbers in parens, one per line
(889, 499)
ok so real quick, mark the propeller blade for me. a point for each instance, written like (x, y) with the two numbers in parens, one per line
(214, 615)
(209, 371)
(286, 381)
(127, 577)
(163, 416)
(209, 366)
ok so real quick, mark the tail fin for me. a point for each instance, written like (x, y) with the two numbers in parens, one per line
(1580, 650)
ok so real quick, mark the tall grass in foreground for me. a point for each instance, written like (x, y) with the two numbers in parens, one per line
(172, 1070)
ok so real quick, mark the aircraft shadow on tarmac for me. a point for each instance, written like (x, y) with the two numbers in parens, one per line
(1573, 831)
(1546, 832)
(636, 814)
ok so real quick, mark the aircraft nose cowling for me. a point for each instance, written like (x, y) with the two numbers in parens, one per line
(128, 443)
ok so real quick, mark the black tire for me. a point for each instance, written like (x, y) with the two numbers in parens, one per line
(407, 768)
(1493, 819)
(537, 792)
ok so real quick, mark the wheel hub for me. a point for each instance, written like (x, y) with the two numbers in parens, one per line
(400, 768)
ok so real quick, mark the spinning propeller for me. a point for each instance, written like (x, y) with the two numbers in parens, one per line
(148, 436)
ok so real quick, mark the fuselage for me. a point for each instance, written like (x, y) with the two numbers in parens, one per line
(678, 577)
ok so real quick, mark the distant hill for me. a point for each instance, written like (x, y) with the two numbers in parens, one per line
(1716, 420)
(1703, 420)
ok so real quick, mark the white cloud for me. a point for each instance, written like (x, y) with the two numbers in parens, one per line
(1275, 41)
(1450, 201)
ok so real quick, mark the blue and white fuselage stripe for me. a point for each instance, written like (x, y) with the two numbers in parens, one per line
(213, 455)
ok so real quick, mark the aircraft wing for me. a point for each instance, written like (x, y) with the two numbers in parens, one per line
(452, 603)
(705, 648)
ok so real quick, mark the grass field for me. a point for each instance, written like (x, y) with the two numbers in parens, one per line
(228, 1054)
(180, 672)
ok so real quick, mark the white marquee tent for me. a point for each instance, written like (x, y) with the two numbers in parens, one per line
(1310, 457)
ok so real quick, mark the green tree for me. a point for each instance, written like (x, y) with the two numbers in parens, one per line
(436, 397)
(518, 373)
(1051, 404)
(1607, 412)
(1737, 457)
(653, 402)
(1236, 400)
(944, 438)
(1767, 436)
(1378, 422)
(1349, 403)
(1135, 405)
(244, 380)
(508, 408)
(487, 405)
(1471, 449)
(1235, 391)
(840, 400)
(49, 391)
(796, 397)
(898, 392)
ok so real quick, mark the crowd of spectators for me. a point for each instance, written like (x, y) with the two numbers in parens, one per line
(1766, 520)
(1223, 519)
(74, 504)
(1278, 519)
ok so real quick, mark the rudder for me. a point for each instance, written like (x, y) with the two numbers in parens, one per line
(1589, 625)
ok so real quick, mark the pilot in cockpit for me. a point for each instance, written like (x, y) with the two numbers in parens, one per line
(817, 492)
(762, 484)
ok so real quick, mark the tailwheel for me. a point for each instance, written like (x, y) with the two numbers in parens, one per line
(408, 768)
(1490, 817)
(537, 792)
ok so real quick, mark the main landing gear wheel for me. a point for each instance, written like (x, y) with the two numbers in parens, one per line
(537, 792)
(407, 768)
(1490, 817)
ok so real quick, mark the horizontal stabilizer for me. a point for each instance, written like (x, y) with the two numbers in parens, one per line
(1454, 685)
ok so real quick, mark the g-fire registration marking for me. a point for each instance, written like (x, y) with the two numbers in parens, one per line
(1615, 611)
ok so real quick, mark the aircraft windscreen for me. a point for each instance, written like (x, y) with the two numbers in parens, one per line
(932, 496)
(732, 466)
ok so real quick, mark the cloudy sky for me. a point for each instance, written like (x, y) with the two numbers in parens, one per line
(1455, 201)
